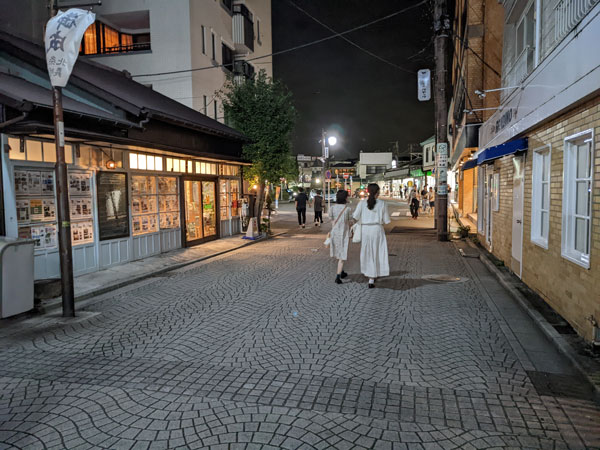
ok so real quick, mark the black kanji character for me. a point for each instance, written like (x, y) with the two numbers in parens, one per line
(57, 42)
(67, 20)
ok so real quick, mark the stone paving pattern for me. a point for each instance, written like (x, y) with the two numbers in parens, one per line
(260, 349)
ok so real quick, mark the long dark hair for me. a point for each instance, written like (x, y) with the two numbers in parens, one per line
(373, 191)
(341, 196)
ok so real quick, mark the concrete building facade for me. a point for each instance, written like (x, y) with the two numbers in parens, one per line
(217, 37)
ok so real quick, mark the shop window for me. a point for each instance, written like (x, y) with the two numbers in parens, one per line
(36, 150)
(176, 165)
(540, 196)
(36, 207)
(144, 204)
(80, 208)
(229, 170)
(577, 198)
(168, 202)
(145, 162)
(205, 168)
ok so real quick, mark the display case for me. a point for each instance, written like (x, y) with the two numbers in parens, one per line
(36, 207)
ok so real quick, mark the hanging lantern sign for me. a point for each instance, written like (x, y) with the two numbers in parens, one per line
(63, 38)
(424, 85)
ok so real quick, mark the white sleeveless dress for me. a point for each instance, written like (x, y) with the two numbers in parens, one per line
(374, 260)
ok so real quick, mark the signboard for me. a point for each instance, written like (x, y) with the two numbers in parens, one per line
(113, 212)
(326, 155)
(442, 167)
(62, 40)
(328, 174)
(346, 176)
(416, 173)
(303, 158)
(424, 85)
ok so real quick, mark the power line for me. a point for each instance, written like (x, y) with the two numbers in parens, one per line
(297, 47)
(466, 45)
(368, 52)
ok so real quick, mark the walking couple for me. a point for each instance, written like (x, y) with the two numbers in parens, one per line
(370, 216)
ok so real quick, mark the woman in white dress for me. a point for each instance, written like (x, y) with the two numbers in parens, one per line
(372, 214)
(340, 233)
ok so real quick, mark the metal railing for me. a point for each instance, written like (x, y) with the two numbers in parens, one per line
(567, 15)
(523, 66)
(142, 46)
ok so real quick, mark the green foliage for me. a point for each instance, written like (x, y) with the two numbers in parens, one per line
(463, 231)
(263, 110)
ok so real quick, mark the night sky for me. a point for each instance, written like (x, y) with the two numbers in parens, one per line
(338, 87)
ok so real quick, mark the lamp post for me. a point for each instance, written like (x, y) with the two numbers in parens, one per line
(331, 140)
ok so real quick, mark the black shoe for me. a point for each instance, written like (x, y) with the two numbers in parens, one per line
(371, 285)
(343, 274)
(338, 280)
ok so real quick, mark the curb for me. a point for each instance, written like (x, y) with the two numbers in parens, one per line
(114, 287)
(554, 336)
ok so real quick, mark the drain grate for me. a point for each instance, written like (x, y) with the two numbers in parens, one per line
(556, 385)
(443, 278)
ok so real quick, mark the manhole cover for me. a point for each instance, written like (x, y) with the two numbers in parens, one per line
(442, 278)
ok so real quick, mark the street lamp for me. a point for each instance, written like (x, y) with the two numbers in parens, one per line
(331, 140)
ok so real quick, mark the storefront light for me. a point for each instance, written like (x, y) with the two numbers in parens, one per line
(111, 164)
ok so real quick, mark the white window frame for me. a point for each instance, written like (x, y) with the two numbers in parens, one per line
(569, 198)
(539, 158)
(495, 191)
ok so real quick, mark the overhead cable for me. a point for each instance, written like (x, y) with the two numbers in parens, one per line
(297, 47)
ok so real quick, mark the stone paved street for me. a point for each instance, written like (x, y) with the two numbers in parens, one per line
(259, 348)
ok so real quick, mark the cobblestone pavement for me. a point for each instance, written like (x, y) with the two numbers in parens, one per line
(260, 349)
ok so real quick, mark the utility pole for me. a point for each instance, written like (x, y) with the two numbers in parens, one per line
(65, 250)
(441, 27)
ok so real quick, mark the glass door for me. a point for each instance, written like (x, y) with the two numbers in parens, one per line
(209, 208)
(193, 211)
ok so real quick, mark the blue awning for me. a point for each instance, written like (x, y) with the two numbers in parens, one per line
(470, 164)
(508, 148)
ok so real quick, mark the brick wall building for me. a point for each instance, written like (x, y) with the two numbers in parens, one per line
(539, 159)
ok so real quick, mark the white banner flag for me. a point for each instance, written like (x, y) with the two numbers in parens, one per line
(63, 38)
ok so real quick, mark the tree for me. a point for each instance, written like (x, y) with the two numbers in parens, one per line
(263, 110)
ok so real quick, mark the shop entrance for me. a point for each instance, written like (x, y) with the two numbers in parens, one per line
(200, 208)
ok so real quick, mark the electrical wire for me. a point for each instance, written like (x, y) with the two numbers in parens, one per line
(297, 47)
(466, 46)
(368, 52)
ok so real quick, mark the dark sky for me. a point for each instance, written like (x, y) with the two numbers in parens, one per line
(338, 87)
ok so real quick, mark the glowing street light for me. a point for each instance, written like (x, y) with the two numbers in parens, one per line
(332, 140)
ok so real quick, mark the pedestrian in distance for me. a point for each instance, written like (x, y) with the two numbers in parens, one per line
(318, 209)
(413, 202)
(340, 233)
(431, 198)
(424, 202)
(371, 215)
(301, 200)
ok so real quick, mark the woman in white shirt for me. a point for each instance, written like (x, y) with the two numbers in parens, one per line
(372, 214)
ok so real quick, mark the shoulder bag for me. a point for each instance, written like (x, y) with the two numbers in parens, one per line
(327, 242)
(357, 229)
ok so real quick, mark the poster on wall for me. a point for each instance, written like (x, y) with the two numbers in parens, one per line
(47, 182)
(36, 210)
(49, 209)
(50, 236)
(79, 183)
(113, 211)
(22, 210)
(34, 182)
(167, 185)
(82, 233)
(21, 182)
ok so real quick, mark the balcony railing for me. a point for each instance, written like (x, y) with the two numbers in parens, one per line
(568, 13)
(243, 29)
(523, 66)
(142, 46)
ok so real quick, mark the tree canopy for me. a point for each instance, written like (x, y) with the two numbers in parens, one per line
(263, 110)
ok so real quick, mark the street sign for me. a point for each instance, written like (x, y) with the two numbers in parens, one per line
(442, 167)
(328, 174)
(326, 152)
(346, 176)
(424, 85)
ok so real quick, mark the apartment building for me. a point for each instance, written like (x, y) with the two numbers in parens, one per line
(476, 76)
(202, 41)
(538, 160)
